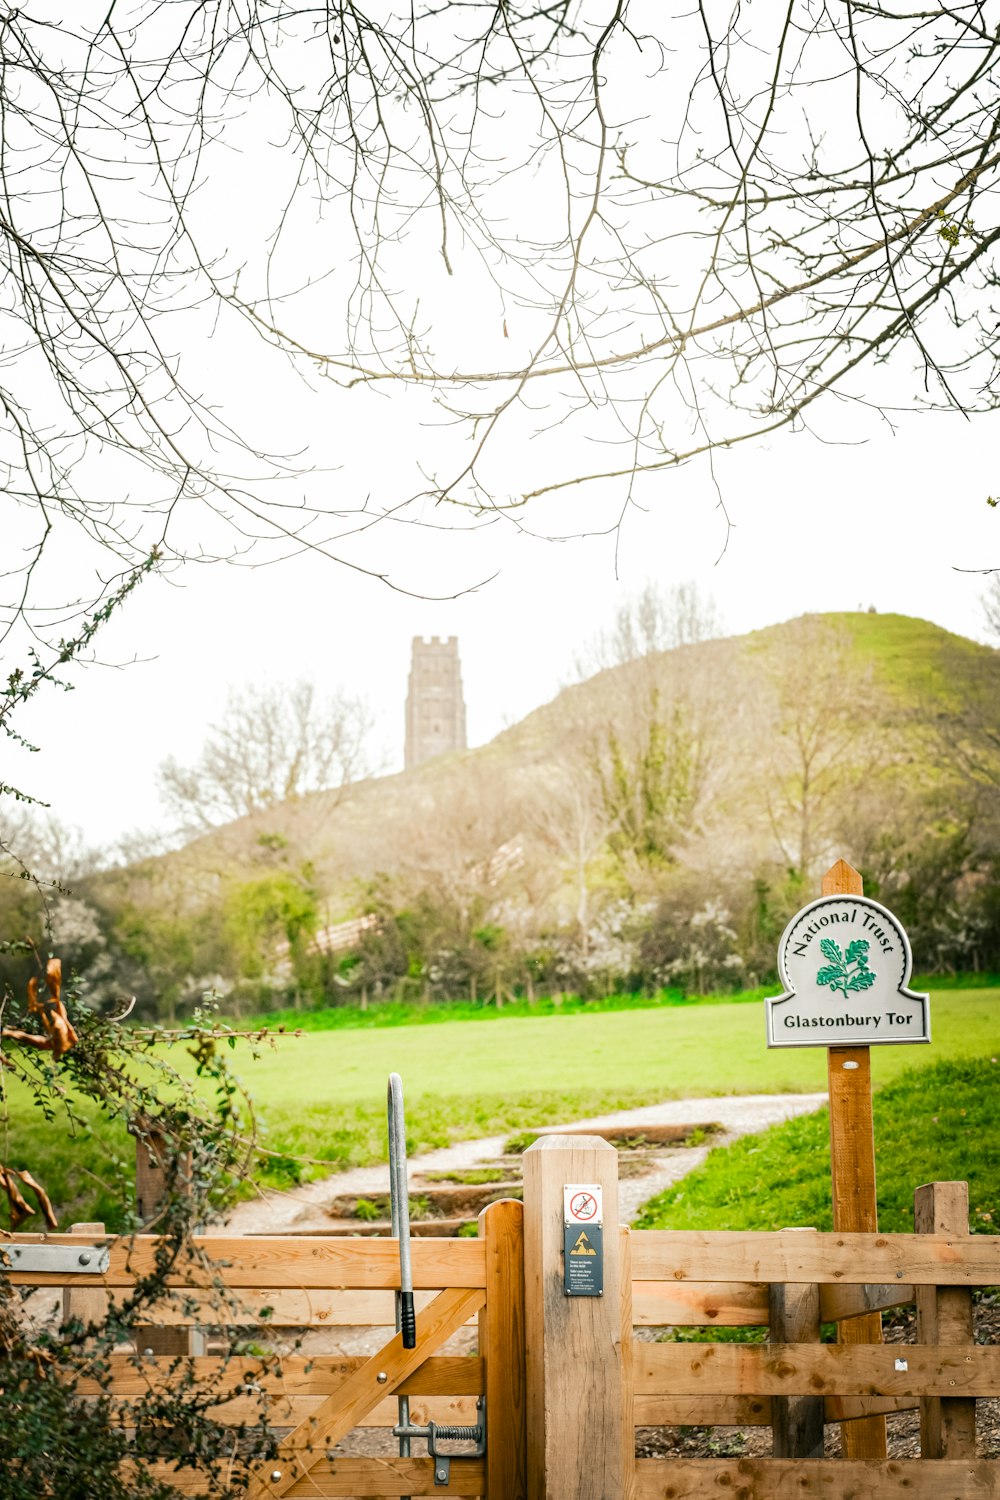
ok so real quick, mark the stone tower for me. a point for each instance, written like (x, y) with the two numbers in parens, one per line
(435, 708)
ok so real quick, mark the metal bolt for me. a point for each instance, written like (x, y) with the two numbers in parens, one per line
(442, 1474)
(275, 1475)
(899, 1275)
(149, 1352)
(85, 1259)
(381, 1377)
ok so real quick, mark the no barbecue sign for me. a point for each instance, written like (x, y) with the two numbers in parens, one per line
(845, 962)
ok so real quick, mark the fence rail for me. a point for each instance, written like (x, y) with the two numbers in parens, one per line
(566, 1381)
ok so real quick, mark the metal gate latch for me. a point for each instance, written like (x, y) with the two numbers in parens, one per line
(435, 1433)
(55, 1260)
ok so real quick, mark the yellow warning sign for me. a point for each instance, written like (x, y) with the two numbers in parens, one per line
(583, 1245)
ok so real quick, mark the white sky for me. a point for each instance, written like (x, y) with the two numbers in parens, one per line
(885, 520)
(815, 528)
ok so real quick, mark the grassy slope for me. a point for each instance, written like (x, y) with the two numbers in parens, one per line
(936, 1123)
(918, 666)
(322, 1094)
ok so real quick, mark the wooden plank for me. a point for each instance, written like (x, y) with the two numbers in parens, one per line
(575, 1353)
(322, 1261)
(389, 1476)
(836, 1302)
(289, 1375)
(702, 1411)
(350, 1476)
(268, 1308)
(796, 1421)
(656, 1135)
(852, 1164)
(817, 1369)
(654, 1304)
(852, 1408)
(944, 1317)
(725, 1304)
(804, 1479)
(287, 1412)
(348, 1406)
(502, 1349)
(241, 1398)
(381, 1228)
(657, 1255)
(727, 1255)
(753, 1411)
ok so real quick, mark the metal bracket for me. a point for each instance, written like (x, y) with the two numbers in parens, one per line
(55, 1260)
(442, 1471)
(434, 1434)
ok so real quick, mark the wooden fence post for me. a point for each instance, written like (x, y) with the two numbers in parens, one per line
(502, 1350)
(628, 1377)
(578, 1357)
(852, 1163)
(87, 1303)
(796, 1421)
(944, 1316)
(151, 1155)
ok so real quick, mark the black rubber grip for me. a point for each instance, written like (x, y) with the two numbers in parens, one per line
(408, 1321)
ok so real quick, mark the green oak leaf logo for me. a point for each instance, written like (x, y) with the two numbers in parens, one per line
(846, 972)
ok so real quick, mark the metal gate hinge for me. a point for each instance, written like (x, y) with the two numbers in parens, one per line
(55, 1260)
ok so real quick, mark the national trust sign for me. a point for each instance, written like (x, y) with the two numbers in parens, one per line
(844, 962)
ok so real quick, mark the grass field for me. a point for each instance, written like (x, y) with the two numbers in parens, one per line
(938, 1123)
(322, 1094)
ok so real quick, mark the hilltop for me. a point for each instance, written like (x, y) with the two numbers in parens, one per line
(652, 824)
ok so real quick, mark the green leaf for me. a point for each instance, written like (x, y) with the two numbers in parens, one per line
(831, 950)
(857, 952)
(830, 976)
(862, 981)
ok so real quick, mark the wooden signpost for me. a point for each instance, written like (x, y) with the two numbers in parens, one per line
(845, 967)
(852, 1163)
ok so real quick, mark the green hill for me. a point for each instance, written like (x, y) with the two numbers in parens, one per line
(652, 825)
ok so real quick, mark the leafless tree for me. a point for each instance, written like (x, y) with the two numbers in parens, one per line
(824, 736)
(635, 232)
(655, 619)
(991, 607)
(271, 745)
(572, 821)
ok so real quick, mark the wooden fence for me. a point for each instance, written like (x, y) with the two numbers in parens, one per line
(566, 1379)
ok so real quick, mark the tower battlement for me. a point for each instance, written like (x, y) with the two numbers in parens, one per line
(435, 706)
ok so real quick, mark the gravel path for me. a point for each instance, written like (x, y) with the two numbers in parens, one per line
(304, 1207)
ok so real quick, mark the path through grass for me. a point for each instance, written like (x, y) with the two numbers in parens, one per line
(322, 1094)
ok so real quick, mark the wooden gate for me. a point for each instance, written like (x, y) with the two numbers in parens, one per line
(568, 1379)
(273, 1284)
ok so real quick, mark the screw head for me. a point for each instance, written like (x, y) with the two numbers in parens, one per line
(442, 1474)
(275, 1475)
(85, 1258)
(381, 1377)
